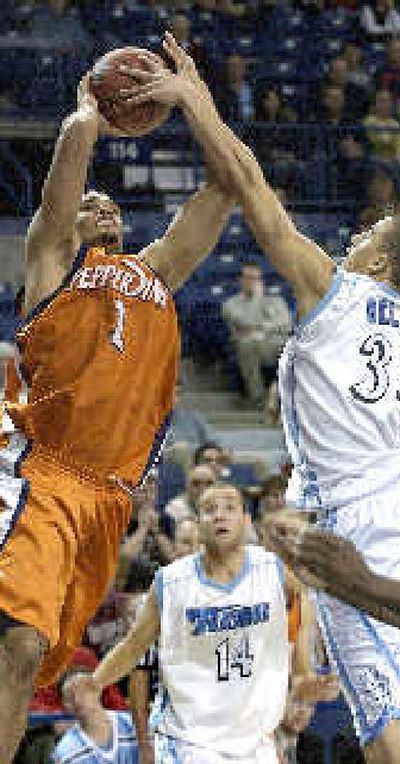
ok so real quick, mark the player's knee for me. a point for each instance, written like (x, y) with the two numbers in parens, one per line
(24, 649)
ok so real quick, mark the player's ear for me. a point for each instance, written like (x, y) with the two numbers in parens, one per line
(378, 264)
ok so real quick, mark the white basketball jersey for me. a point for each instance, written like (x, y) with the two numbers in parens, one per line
(223, 653)
(340, 393)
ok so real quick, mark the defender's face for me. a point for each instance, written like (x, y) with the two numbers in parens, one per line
(367, 247)
(222, 518)
(99, 222)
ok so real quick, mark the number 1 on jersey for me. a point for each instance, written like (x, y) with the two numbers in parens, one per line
(117, 338)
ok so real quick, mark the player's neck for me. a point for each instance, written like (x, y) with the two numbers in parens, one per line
(223, 565)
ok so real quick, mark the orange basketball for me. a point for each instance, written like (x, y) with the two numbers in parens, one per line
(106, 81)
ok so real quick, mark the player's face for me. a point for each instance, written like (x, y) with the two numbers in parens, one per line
(367, 248)
(99, 222)
(222, 518)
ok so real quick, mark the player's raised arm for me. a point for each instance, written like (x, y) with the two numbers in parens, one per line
(190, 237)
(302, 262)
(63, 188)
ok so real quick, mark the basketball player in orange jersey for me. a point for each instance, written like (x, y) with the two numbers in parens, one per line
(99, 352)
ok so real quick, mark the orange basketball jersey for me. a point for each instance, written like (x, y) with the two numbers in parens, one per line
(100, 361)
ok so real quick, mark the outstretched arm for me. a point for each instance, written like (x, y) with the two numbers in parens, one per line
(306, 267)
(331, 563)
(191, 236)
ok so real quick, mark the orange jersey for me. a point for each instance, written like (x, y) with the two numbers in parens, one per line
(294, 616)
(100, 360)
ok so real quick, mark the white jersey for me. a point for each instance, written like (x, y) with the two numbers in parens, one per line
(340, 392)
(223, 654)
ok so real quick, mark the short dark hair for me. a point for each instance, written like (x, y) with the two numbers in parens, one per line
(198, 454)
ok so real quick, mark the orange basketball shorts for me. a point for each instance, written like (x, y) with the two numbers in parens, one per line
(59, 544)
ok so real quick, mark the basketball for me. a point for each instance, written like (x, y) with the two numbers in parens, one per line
(106, 82)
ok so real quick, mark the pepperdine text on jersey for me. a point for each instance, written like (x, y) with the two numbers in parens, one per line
(132, 283)
(206, 619)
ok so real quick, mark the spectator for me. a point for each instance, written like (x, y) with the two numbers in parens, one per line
(332, 103)
(189, 430)
(180, 27)
(384, 143)
(379, 19)
(388, 76)
(149, 538)
(358, 81)
(272, 496)
(215, 456)
(276, 144)
(381, 200)
(259, 326)
(184, 505)
(98, 734)
(57, 24)
(187, 539)
(235, 96)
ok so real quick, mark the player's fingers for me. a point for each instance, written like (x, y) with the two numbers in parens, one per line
(149, 93)
(178, 55)
(139, 75)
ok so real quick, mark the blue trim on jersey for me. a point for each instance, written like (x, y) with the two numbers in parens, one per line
(381, 645)
(310, 496)
(336, 283)
(345, 680)
(159, 588)
(281, 571)
(376, 730)
(245, 570)
(43, 304)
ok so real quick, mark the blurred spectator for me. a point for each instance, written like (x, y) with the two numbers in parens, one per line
(215, 456)
(234, 94)
(358, 81)
(187, 538)
(148, 538)
(388, 76)
(180, 27)
(272, 495)
(57, 24)
(332, 104)
(259, 325)
(189, 430)
(381, 200)
(184, 505)
(98, 735)
(384, 144)
(276, 141)
(379, 19)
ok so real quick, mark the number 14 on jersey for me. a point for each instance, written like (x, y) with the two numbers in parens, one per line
(234, 655)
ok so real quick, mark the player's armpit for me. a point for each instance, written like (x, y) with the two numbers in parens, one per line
(190, 237)
(119, 661)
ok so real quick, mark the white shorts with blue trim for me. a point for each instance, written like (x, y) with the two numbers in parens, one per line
(366, 652)
(170, 750)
